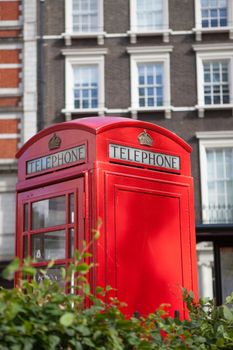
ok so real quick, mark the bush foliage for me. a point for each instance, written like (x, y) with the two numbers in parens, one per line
(42, 316)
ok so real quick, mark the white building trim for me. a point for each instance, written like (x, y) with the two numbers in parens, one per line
(206, 135)
(10, 46)
(149, 49)
(9, 136)
(225, 47)
(29, 122)
(9, 115)
(84, 52)
(10, 92)
(6, 24)
(10, 65)
(9, 0)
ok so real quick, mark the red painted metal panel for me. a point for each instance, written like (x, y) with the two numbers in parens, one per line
(149, 239)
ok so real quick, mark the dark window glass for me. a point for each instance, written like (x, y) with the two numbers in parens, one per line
(48, 246)
(25, 246)
(71, 208)
(54, 274)
(25, 214)
(71, 243)
(49, 212)
(226, 258)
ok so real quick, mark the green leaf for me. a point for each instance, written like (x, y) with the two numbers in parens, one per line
(67, 319)
(86, 289)
(29, 270)
(220, 342)
(108, 288)
(97, 334)
(53, 341)
(227, 313)
(9, 271)
(96, 234)
(82, 268)
(83, 330)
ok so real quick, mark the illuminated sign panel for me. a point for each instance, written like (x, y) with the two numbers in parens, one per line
(139, 156)
(67, 157)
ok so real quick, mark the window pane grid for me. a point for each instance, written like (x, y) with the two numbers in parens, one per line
(216, 83)
(150, 84)
(214, 13)
(149, 15)
(220, 186)
(85, 16)
(86, 87)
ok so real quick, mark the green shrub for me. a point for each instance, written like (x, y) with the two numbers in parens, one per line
(42, 316)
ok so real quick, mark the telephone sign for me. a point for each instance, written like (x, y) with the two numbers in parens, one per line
(143, 157)
(67, 157)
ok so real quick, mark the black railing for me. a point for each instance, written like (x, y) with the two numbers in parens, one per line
(217, 214)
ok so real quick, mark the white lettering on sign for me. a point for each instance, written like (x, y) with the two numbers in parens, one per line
(135, 155)
(69, 156)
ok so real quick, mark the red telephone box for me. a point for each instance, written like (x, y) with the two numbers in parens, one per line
(133, 175)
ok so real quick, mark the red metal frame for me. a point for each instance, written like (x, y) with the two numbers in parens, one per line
(29, 197)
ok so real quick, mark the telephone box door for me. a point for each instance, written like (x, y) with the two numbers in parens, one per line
(51, 224)
(149, 249)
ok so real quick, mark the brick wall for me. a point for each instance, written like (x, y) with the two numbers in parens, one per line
(10, 120)
(10, 77)
(9, 10)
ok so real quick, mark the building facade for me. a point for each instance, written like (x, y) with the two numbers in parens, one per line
(146, 60)
(150, 60)
(17, 110)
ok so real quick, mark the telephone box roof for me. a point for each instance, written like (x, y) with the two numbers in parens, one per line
(97, 125)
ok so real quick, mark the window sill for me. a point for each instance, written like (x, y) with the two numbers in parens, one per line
(12, 25)
(8, 164)
(162, 32)
(200, 31)
(68, 112)
(201, 108)
(166, 109)
(74, 35)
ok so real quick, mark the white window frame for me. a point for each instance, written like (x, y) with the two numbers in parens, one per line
(212, 52)
(199, 30)
(75, 57)
(133, 32)
(69, 33)
(154, 54)
(208, 140)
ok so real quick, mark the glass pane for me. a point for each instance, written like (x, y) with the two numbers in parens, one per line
(54, 274)
(49, 245)
(226, 263)
(71, 243)
(219, 163)
(71, 208)
(25, 220)
(49, 212)
(205, 261)
(25, 246)
(229, 163)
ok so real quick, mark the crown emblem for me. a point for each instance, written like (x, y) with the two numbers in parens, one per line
(145, 139)
(54, 142)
